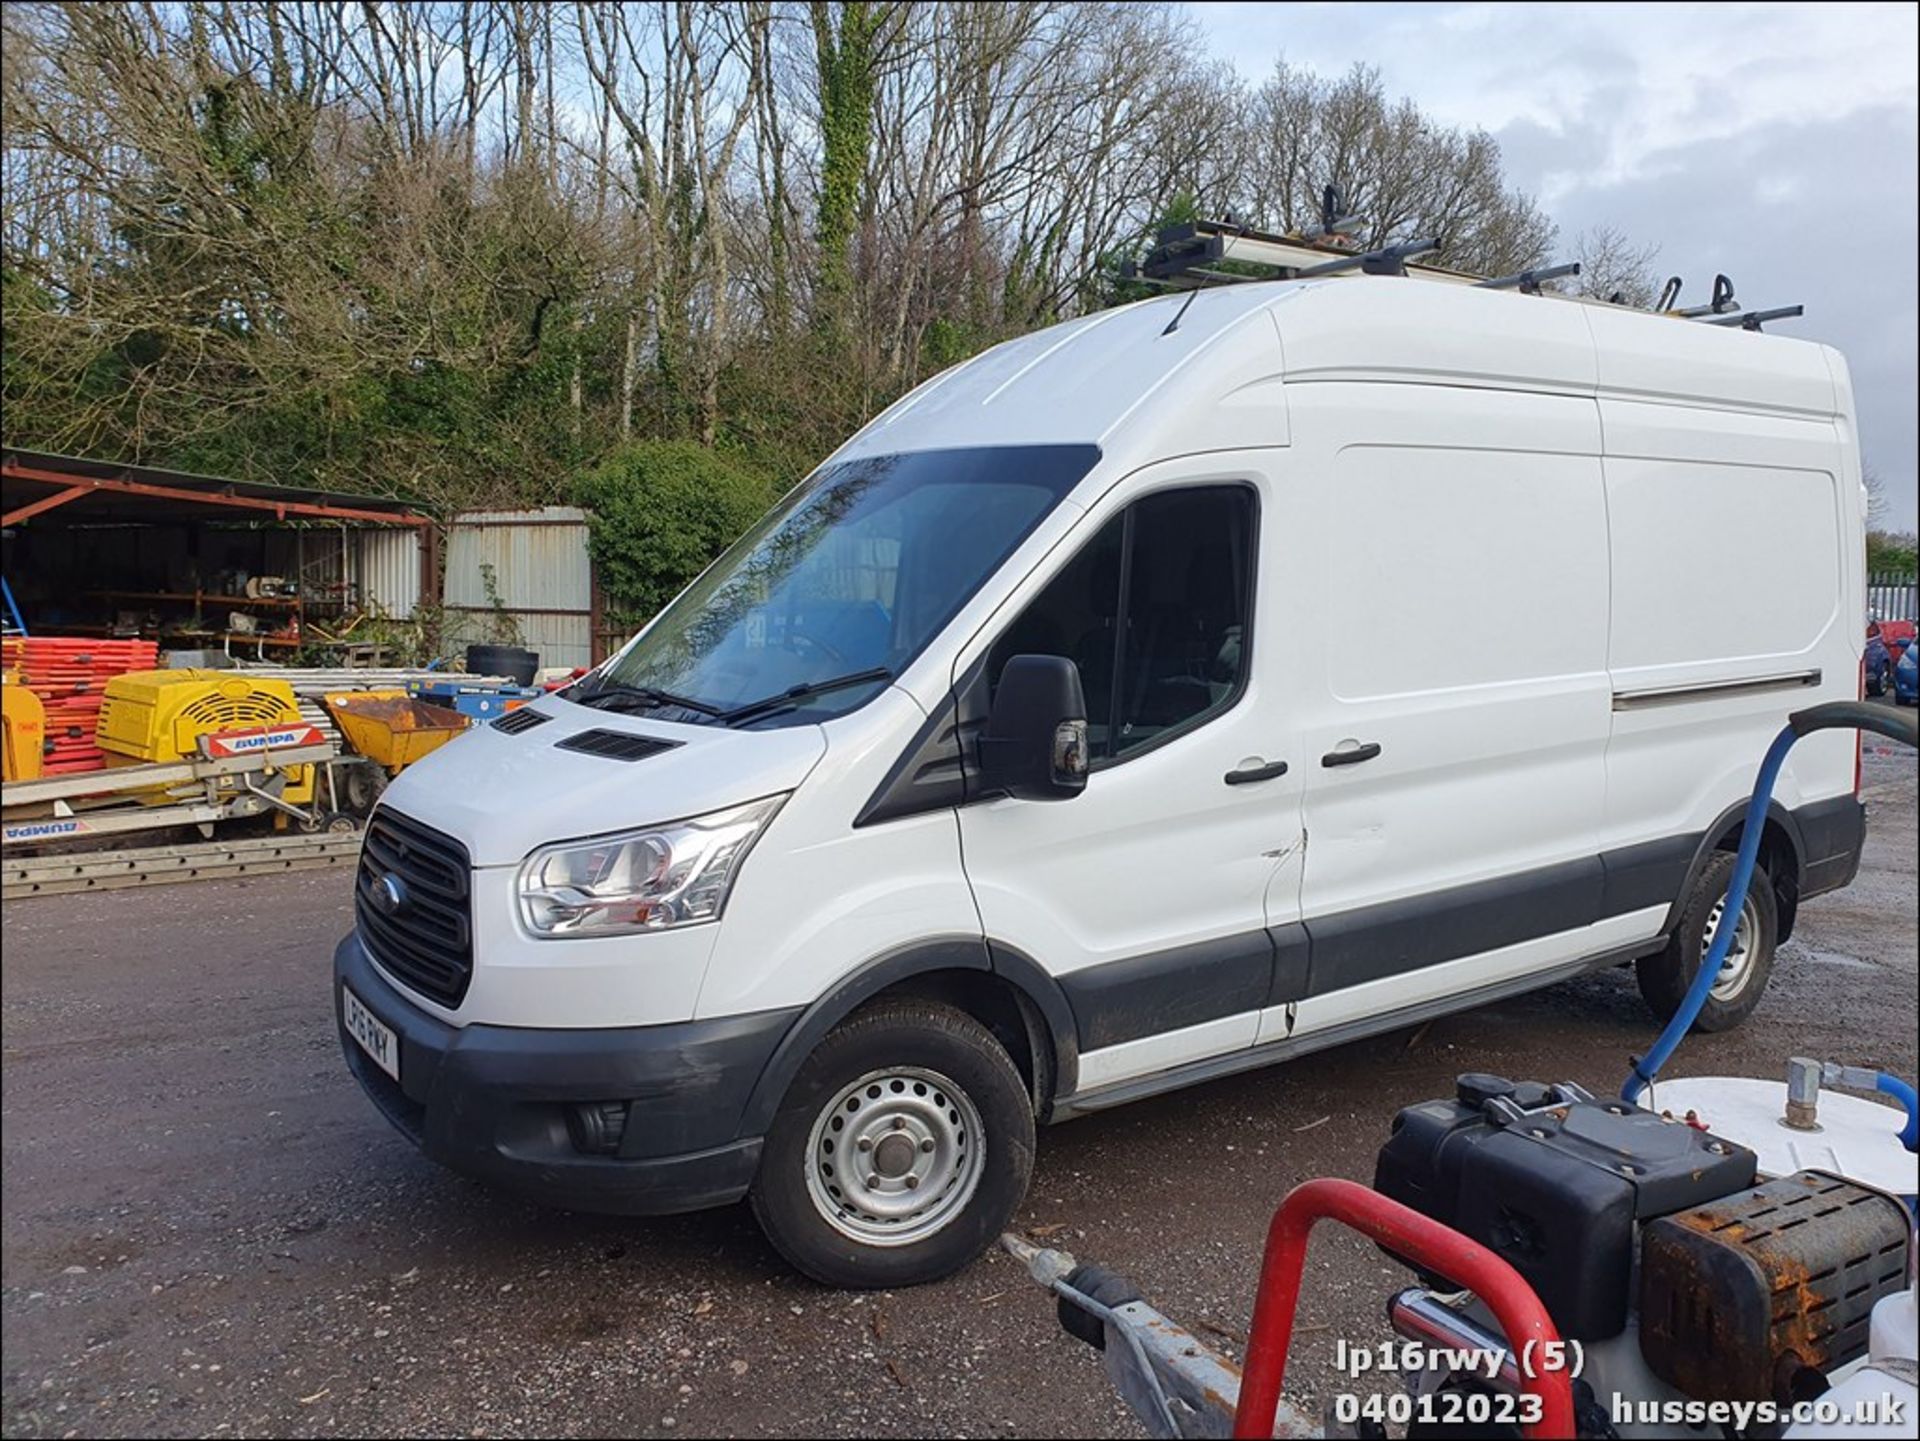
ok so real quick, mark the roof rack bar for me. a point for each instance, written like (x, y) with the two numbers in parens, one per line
(1175, 258)
(1388, 260)
(1207, 241)
(1722, 303)
(1195, 254)
(1334, 219)
(1754, 319)
(1528, 282)
(1342, 225)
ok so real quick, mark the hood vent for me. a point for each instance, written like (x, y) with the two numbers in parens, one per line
(524, 719)
(615, 745)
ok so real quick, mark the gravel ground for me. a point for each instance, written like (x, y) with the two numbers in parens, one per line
(208, 1231)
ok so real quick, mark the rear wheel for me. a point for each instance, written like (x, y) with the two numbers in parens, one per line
(1665, 977)
(900, 1151)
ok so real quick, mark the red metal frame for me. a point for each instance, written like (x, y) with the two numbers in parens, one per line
(61, 497)
(79, 485)
(1530, 1332)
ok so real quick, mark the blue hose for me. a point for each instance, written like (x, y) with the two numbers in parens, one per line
(1834, 715)
(1903, 1093)
(1647, 1067)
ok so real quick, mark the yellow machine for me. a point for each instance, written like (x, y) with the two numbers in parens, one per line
(23, 721)
(391, 728)
(156, 716)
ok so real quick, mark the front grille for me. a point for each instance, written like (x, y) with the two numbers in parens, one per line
(428, 943)
(615, 745)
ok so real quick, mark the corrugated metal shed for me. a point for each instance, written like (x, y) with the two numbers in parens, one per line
(384, 566)
(527, 566)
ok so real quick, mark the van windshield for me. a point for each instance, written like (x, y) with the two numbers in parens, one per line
(839, 587)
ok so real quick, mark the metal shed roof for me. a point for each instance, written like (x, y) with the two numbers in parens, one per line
(72, 490)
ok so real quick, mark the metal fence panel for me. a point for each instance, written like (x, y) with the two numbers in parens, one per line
(384, 566)
(525, 568)
(1892, 597)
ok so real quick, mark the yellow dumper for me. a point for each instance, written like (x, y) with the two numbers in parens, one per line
(390, 727)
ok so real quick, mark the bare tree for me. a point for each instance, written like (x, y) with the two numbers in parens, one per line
(1612, 266)
(1403, 174)
(464, 247)
(1878, 502)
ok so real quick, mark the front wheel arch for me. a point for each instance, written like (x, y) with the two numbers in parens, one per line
(1000, 988)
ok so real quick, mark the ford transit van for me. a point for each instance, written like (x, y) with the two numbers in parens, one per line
(1035, 755)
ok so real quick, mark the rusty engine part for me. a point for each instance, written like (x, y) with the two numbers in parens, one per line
(1740, 1296)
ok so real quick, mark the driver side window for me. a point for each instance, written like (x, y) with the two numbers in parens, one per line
(1154, 611)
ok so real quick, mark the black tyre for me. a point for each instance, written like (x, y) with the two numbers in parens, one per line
(900, 1151)
(515, 662)
(360, 786)
(1665, 977)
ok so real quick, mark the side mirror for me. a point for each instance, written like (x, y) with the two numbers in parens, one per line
(1035, 745)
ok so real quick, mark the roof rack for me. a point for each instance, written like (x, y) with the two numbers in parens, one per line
(1185, 256)
(1528, 282)
(1721, 304)
(1754, 319)
(1189, 256)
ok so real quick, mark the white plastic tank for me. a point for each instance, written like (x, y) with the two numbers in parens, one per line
(1876, 1397)
(1857, 1138)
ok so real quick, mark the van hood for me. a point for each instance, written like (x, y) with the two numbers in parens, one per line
(504, 795)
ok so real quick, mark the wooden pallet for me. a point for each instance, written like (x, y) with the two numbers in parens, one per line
(166, 865)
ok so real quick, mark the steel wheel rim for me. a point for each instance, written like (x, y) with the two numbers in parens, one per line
(1739, 962)
(894, 1156)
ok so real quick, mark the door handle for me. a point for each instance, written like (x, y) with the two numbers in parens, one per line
(1353, 757)
(1251, 774)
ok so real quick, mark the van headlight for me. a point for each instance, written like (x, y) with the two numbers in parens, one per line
(676, 874)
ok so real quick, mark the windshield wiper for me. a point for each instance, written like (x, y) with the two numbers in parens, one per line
(793, 695)
(647, 695)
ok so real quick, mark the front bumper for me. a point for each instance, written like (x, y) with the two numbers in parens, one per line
(492, 1101)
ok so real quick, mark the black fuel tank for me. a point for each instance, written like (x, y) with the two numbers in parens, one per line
(1554, 1182)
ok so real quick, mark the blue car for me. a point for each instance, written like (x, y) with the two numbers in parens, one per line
(1878, 664)
(1906, 675)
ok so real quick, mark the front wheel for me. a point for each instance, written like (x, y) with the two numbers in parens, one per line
(900, 1152)
(1666, 976)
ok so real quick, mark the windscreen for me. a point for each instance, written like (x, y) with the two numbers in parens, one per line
(840, 586)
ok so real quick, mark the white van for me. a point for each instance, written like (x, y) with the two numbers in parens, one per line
(1171, 692)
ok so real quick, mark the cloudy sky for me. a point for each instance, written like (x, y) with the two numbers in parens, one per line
(1776, 143)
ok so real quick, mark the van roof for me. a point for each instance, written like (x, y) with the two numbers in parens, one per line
(1136, 378)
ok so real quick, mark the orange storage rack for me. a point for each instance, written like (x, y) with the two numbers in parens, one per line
(70, 674)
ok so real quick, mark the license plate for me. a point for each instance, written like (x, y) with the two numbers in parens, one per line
(376, 1039)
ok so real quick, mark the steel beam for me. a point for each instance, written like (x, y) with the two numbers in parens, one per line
(281, 509)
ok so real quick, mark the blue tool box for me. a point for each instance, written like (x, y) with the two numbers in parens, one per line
(477, 698)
